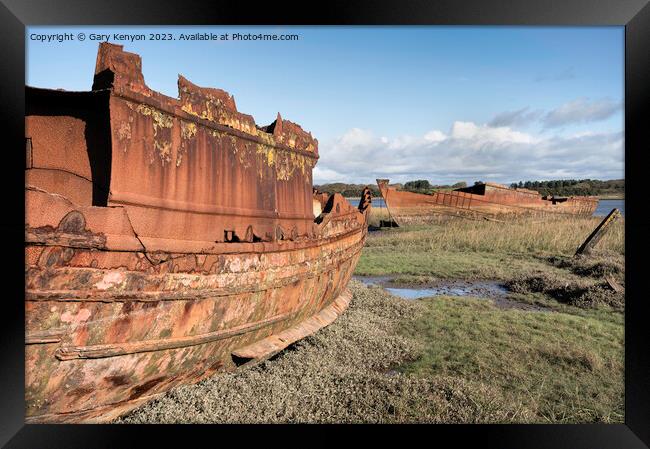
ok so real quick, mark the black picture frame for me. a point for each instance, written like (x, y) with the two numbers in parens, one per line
(633, 14)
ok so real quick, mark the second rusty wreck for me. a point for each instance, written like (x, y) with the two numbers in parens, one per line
(483, 200)
(167, 239)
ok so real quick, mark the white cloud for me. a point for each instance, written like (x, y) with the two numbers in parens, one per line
(520, 117)
(478, 135)
(356, 138)
(581, 110)
(469, 152)
(435, 136)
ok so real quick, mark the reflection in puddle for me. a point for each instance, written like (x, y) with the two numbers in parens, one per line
(413, 293)
(479, 289)
(372, 281)
(447, 288)
(484, 290)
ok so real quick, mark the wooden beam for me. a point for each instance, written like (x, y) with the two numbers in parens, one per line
(598, 233)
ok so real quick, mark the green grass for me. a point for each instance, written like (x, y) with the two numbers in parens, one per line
(561, 367)
(564, 365)
(443, 264)
(469, 249)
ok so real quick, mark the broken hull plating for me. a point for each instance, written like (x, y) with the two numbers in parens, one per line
(167, 239)
(108, 330)
(496, 203)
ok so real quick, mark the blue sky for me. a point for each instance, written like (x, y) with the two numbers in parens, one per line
(446, 104)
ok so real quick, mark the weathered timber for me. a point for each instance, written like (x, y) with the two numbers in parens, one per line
(591, 241)
(613, 284)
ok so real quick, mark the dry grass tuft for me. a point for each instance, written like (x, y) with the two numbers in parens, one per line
(487, 250)
(579, 293)
(595, 267)
(556, 236)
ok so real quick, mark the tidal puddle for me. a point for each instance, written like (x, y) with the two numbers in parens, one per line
(493, 290)
(372, 281)
(481, 290)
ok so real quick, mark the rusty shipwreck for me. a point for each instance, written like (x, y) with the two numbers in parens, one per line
(481, 201)
(167, 239)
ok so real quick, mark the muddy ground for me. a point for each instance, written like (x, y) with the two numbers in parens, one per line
(495, 290)
(596, 282)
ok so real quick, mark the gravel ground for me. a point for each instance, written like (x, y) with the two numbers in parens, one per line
(347, 372)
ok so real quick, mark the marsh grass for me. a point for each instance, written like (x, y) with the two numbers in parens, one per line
(439, 360)
(561, 367)
(474, 249)
(558, 236)
(565, 365)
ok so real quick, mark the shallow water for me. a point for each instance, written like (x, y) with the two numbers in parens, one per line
(605, 207)
(493, 290)
(448, 288)
(376, 201)
(372, 281)
(483, 289)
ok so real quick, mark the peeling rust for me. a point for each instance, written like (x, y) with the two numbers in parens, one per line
(139, 390)
(162, 236)
(481, 201)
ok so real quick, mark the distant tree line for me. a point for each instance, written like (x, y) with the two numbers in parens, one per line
(575, 187)
(354, 190)
(348, 190)
(424, 186)
(560, 187)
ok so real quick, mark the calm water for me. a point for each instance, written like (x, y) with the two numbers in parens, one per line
(376, 202)
(493, 290)
(604, 206)
(449, 288)
(483, 289)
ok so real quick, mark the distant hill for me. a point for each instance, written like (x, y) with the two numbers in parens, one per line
(614, 188)
(354, 190)
(423, 186)
(347, 190)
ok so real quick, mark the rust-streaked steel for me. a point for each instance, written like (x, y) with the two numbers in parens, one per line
(483, 200)
(164, 236)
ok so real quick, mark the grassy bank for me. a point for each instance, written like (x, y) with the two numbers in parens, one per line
(347, 372)
(564, 366)
(473, 249)
(558, 367)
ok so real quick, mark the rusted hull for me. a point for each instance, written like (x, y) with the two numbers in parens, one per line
(166, 240)
(495, 202)
(106, 330)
